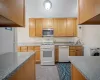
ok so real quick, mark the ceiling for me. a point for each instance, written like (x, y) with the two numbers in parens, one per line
(60, 8)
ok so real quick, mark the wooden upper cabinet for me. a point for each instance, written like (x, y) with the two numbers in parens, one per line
(39, 26)
(60, 27)
(71, 27)
(63, 27)
(47, 23)
(32, 27)
(89, 11)
(12, 13)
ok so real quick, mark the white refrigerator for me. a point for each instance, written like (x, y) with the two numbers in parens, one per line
(8, 40)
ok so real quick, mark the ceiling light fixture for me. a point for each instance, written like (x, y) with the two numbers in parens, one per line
(47, 4)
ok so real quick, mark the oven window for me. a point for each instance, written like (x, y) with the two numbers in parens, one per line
(47, 53)
(47, 32)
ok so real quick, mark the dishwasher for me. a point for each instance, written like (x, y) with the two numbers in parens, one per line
(63, 53)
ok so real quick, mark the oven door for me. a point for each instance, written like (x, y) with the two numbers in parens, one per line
(47, 32)
(47, 57)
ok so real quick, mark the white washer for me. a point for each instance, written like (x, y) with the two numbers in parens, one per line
(95, 52)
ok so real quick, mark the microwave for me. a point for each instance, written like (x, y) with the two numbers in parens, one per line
(48, 32)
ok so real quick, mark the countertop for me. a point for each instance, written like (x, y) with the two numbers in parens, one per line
(88, 66)
(66, 44)
(55, 43)
(10, 62)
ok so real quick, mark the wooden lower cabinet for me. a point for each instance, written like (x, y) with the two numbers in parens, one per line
(32, 27)
(75, 51)
(56, 54)
(37, 49)
(76, 75)
(26, 71)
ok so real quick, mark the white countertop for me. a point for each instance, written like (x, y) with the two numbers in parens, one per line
(11, 61)
(88, 66)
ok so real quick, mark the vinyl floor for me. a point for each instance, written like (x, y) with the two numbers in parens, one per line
(46, 72)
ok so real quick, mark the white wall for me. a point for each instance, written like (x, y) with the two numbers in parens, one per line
(6, 41)
(91, 37)
(35, 9)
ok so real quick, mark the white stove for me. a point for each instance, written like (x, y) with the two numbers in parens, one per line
(47, 52)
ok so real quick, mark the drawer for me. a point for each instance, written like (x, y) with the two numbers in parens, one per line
(37, 48)
(72, 50)
(30, 48)
(79, 47)
(72, 47)
(23, 48)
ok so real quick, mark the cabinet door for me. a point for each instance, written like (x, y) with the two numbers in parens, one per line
(72, 53)
(71, 27)
(60, 27)
(47, 23)
(37, 49)
(86, 10)
(39, 26)
(31, 27)
(76, 75)
(56, 54)
(79, 53)
(56, 27)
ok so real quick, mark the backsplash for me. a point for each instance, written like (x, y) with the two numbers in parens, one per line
(39, 40)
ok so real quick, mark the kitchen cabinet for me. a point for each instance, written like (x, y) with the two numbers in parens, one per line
(60, 27)
(38, 27)
(37, 49)
(23, 49)
(75, 74)
(12, 13)
(89, 11)
(75, 51)
(56, 53)
(32, 27)
(30, 48)
(47, 22)
(26, 72)
(63, 27)
(71, 29)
